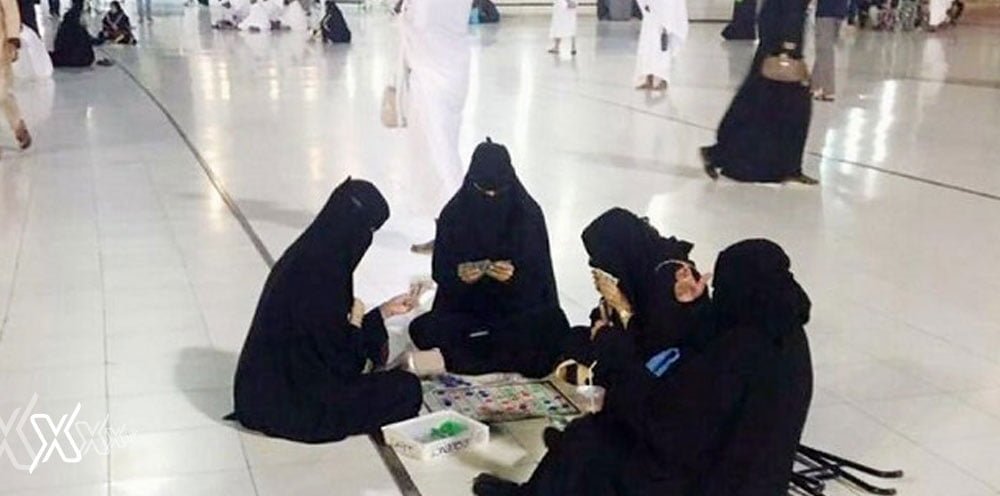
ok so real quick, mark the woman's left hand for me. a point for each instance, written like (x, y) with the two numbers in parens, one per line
(398, 305)
(357, 313)
(687, 288)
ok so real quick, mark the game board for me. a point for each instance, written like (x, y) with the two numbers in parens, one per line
(500, 402)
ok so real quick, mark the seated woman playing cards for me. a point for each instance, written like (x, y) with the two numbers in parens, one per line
(496, 308)
(309, 369)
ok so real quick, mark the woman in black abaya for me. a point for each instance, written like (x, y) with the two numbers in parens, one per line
(496, 308)
(73, 46)
(725, 421)
(743, 26)
(626, 248)
(333, 27)
(303, 373)
(763, 134)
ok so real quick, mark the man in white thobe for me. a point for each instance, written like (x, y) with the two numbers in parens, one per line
(664, 30)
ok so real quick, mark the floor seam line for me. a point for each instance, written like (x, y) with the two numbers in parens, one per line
(389, 457)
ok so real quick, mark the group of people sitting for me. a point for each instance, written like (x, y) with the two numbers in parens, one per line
(257, 16)
(706, 394)
(74, 45)
(907, 15)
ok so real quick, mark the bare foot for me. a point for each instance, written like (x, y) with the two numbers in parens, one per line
(23, 136)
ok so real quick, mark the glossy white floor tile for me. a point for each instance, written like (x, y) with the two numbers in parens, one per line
(127, 285)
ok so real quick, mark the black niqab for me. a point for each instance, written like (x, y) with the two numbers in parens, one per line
(755, 288)
(492, 217)
(300, 371)
(630, 249)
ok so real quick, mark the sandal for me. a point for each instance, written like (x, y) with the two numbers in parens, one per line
(802, 179)
(710, 169)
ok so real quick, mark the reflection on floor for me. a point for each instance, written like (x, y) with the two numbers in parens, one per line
(127, 285)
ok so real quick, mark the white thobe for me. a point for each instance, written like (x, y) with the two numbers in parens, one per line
(563, 19)
(436, 50)
(658, 17)
(937, 12)
(294, 18)
(257, 17)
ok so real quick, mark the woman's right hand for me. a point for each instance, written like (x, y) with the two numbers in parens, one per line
(470, 273)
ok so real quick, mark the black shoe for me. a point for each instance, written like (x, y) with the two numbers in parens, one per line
(706, 161)
(491, 485)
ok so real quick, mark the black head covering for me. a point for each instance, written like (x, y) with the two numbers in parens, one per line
(490, 202)
(629, 248)
(493, 217)
(336, 240)
(754, 287)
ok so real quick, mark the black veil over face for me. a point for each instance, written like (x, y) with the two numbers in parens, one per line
(630, 249)
(490, 201)
(754, 287)
(336, 240)
(492, 217)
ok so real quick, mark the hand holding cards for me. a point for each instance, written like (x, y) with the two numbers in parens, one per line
(472, 272)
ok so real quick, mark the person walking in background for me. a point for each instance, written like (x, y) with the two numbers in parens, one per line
(830, 16)
(664, 30)
(743, 26)
(145, 11)
(763, 134)
(436, 55)
(10, 31)
(54, 8)
(563, 24)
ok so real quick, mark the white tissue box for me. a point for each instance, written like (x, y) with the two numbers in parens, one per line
(411, 438)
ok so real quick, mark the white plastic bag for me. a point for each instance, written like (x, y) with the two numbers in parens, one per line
(33, 60)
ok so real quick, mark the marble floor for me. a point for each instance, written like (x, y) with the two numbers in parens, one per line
(127, 283)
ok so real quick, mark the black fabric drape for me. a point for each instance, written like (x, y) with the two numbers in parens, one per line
(629, 248)
(743, 26)
(300, 374)
(725, 422)
(73, 46)
(762, 136)
(489, 325)
(334, 26)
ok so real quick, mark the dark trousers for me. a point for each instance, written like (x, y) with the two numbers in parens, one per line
(528, 343)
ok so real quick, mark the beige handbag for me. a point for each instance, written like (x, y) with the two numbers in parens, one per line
(392, 117)
(394, 97)
(785, 69)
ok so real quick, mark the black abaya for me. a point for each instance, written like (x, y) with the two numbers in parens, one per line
(73, 46)
(763, 134)
(743, 26)
(626, 246)
(28, 17)
(334, 26)
(725, 422)
(301, 372)
(489, 325)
